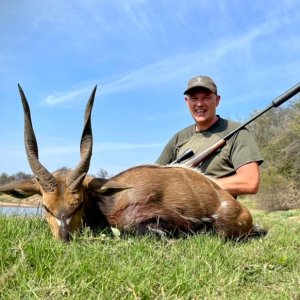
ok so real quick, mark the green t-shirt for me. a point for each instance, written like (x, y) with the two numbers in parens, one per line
(239, 150)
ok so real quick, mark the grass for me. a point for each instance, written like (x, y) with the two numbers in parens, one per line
(34, 266)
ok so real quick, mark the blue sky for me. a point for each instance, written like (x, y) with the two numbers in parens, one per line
(140, 53)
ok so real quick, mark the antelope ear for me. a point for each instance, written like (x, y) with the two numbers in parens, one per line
(104, 186)
(93, 183)
(111, 187)
(21, 189)
(101, 185)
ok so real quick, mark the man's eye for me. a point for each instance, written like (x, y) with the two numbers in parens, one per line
(207, 98)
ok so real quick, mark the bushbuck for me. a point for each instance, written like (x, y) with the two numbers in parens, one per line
(146, 199)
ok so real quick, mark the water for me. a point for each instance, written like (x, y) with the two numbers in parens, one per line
(19, 210)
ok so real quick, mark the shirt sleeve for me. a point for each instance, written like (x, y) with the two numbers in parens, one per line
(244, 149)
(168, 154)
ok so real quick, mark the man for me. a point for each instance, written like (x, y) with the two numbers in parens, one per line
(235, 167)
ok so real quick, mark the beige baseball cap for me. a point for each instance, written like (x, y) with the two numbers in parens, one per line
(201, 82)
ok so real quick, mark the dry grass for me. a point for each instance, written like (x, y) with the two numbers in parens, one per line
(6, 200)
(34, 266)
(281, 196)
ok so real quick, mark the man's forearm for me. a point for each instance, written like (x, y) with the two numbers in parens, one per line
(245, 181)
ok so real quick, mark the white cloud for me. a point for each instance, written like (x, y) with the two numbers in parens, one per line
(100, 147)
(60, 150)
(65, 97)
(178, 66)
(124, 146)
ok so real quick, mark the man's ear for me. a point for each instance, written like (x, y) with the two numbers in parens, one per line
(218, 100)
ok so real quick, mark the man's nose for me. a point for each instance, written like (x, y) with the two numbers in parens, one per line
(199, 101)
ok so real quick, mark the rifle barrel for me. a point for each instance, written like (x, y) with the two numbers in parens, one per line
(286, 95)
(275, 103)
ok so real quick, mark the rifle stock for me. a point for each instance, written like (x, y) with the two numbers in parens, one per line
(197, 159)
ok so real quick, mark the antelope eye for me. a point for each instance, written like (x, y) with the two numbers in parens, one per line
(48, 210)
(76, 196)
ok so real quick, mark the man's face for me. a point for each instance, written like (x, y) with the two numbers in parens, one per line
(202, 105)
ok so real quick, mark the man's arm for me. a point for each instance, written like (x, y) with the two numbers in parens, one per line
(245, 181)
(168, 154)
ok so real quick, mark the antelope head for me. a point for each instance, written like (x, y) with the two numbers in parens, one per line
(63, 192)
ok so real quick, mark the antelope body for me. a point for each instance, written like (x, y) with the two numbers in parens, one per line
(143, 199)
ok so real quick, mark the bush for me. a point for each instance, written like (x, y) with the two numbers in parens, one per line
(5, 178)
(277, 192)
(278, 136)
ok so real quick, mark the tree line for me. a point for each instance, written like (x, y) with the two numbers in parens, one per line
(5, 178)
(278, 136)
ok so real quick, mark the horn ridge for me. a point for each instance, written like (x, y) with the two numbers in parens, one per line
(47, 180)
(86, 146)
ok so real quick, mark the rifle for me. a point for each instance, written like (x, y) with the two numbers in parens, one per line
(189, 159)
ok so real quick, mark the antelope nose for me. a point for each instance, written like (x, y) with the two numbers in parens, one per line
(64, 234)
(62, 216)
(64, 230)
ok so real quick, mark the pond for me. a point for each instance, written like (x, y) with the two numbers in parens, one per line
(20, 210)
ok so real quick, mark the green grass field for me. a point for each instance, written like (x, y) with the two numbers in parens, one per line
(34, 266)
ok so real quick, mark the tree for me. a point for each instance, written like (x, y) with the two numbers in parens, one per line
(5, 178)
(278, 136)
(103, 174)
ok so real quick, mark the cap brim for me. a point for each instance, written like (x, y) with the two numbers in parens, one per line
(197, 88)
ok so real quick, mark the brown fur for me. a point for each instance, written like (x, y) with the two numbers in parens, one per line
(182, 198)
